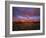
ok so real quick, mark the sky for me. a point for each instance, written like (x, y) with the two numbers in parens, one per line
(26, 13)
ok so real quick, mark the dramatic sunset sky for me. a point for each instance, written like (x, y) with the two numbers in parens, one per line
(26, 13)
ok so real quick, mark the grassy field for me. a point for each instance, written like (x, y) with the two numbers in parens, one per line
(20, 26)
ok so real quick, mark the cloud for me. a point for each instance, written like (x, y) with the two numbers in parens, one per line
(28, 18)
